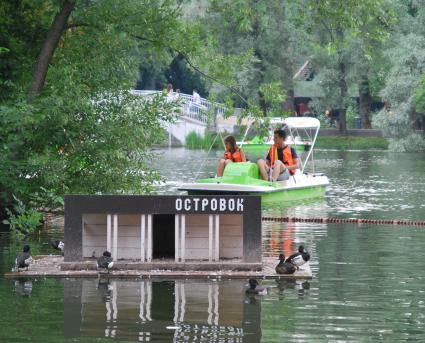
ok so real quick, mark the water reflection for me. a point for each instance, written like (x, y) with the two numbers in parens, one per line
(23, 287)
(171, 311)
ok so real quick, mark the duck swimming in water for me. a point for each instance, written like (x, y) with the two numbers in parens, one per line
(285, 267)
(58, 245)
(255, 288)
(299, 258)
(105, 261)
(24, 259)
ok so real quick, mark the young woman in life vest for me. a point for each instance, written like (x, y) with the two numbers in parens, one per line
(232, 154)
(282, 159)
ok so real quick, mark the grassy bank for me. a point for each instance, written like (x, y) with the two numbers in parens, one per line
(195, 141)
(351, 142)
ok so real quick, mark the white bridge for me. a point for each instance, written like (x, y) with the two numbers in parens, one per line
(195, 116)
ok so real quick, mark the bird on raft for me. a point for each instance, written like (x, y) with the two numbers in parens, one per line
(255, 288)
(105, 261)
(285, 267)
(58, 245)
(24, 259)
(299, 258)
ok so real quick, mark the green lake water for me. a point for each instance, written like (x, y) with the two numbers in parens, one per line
(368, 281)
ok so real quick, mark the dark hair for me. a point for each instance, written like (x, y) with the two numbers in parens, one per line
(232, 141)
(26, 248)
(106, 254)
(281, 133)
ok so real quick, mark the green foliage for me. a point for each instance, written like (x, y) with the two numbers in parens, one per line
(196, 141)
(85, 133)
(403, 93)
(22, 220)
(352, 114)
(47, 201)
(420, 97)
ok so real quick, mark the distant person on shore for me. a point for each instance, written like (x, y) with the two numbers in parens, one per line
(177, 94)
(233, 154)
(281, 162)
(196, 98)
(170, 92)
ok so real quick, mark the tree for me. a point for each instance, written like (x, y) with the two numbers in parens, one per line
(403, 90)
(84, 132)
(341, 21)
(262, 31)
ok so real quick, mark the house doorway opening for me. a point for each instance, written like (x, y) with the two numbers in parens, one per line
(163, 236)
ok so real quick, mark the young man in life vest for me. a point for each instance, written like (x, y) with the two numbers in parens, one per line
(232, 154)
(282, 158)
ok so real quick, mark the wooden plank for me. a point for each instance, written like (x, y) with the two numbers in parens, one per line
(231, 219)
(94, 218)
(230, 231)
(129, 220)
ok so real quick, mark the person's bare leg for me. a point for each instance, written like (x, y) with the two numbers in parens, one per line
(226, 163)
(279, 167)
(262, 166)
(220, 167)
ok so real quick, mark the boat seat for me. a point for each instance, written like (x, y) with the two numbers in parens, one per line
(241, 169)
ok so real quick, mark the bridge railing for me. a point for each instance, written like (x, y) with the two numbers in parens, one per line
(196, 110)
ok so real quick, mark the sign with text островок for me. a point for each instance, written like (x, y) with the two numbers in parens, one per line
(216, 204)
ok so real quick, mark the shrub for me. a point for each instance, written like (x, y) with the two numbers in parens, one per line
(22, 220)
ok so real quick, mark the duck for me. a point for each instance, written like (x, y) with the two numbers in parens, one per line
(299, 258)
(24, 259)
(58, 245)
(285, 267)
(105, 261)
(255, 288)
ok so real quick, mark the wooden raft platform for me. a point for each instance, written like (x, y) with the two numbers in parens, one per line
(54, 266)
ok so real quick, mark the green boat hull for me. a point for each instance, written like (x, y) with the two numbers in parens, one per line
(279, 196)
(248, 174)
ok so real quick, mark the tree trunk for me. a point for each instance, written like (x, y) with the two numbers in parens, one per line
(343, 94)
(365, 101)
(49, 46)
(283, 61)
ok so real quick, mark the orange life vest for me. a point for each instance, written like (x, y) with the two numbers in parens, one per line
(235, 157)
(288, 160)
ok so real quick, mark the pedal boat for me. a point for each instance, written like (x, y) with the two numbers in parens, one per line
(244, 178)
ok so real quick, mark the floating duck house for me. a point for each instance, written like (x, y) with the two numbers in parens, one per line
(209, 231)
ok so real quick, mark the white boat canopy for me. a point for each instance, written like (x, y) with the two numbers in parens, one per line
(297, 126)
(302, 122)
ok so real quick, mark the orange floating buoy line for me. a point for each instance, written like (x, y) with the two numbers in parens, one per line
(345, 221)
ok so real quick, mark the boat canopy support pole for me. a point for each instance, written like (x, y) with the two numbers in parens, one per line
(311, 149)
